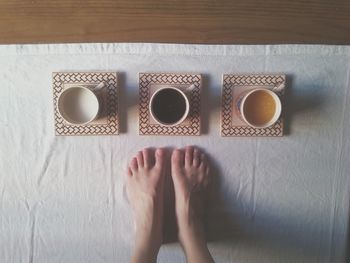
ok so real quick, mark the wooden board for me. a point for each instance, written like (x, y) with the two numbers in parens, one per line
(175, 21)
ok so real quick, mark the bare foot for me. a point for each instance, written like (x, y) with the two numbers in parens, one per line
(190, 173)
(145, 190)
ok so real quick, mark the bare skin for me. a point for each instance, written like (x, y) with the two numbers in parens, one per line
(145, 190)
(190, 173)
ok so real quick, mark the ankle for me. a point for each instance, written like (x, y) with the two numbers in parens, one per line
(191, 229)
(193, 241)
(149, 234)
(149, 228)
(189, 216)
(145, 251)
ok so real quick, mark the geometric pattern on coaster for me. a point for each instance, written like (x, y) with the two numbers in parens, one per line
(233, 86)
(108, 121)
(188, 83)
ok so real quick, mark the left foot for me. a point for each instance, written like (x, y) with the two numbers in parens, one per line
(145, 190)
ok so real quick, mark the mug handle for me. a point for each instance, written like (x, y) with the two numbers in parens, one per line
(99, 86)
(279, 87)
(190, 88)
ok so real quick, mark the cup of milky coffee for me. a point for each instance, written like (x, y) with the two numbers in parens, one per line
(259, 108)
(79, 105)
(169, 106)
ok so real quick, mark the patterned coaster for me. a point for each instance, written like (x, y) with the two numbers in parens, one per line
(107, 122)
(190, 84)
(233, 86)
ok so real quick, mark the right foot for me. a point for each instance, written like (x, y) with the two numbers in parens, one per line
(145, 187)
(190, 173)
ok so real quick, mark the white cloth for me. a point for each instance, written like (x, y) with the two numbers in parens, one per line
(278, 199)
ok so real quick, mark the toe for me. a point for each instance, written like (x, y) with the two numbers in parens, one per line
(177, 159)
(159, 157)
(203, 160)
(189, 155)
(129, 172)
(133, 165)
(148, 159)
(206, 181)
(207, 170)
(139, 158)
(196, 158)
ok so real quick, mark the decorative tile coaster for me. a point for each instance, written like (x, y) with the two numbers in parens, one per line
(188, 83)
(107, 123)
(233, 86)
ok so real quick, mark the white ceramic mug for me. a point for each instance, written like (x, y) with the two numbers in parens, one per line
(79, 105)
(169, 106)
(265, 110)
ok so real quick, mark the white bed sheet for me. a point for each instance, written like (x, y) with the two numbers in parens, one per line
(277, 200)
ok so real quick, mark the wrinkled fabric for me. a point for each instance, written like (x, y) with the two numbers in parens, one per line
(274, 199)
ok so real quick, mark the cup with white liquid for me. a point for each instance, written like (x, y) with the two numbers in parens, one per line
(80, 105)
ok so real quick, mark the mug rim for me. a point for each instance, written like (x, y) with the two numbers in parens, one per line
(276, 115)
(62, 113)
(185, 115)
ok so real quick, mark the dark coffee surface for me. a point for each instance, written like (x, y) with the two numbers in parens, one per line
(169, 106)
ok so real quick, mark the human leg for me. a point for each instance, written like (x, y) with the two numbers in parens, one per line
(190, 173)
(145, 190)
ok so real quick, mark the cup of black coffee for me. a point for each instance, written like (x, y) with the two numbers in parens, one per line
(169, 106)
